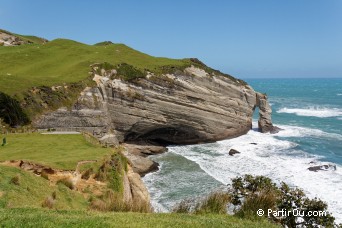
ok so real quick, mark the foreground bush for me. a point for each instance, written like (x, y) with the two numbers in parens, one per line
(252, 193)
(249, 194)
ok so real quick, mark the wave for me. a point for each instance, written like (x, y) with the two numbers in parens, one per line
(279, 159)
(294, 131)
(316, 112)
(339, 94)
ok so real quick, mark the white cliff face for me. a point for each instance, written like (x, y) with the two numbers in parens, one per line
(186, 108)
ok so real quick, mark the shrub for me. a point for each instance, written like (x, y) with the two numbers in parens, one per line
(129, 72)
(11, 111)
(252, 193)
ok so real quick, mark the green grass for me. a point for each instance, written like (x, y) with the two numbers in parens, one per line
(32, 190)
(51, 218)
(66, 61)
(56, 151)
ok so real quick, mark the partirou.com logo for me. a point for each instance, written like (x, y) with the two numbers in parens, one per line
(294, 212)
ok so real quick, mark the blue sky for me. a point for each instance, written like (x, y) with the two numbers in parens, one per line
(246, 38)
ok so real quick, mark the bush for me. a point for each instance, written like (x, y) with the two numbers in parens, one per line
(252, 193)
(11, 111)
(129, 72)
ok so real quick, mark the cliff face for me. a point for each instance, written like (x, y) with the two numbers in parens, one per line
(191, 106)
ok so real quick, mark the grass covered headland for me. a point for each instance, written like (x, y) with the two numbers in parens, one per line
(41, 75)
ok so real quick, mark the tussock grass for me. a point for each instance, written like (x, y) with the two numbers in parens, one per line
(34, 190)
(214, 203)
(262, 200)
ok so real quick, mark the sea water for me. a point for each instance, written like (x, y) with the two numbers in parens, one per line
(310, 113)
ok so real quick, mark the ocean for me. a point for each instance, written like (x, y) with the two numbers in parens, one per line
(310, 113)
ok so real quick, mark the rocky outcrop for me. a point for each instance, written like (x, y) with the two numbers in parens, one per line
(139, 193)
(9, 39)
(265, 113)
(191, 106)
(233, 151)
(322, 168)
(136, 155)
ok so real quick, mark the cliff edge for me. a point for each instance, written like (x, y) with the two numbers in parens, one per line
(185, 107)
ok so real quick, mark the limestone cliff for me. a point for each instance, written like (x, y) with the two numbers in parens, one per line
(190, 106)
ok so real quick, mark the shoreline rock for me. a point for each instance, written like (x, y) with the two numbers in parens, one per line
(137, 157)
(326, 167)
(233, 151)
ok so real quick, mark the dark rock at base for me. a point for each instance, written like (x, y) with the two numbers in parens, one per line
(254, 143)
(322, 167)
(137, 157)
(233, 151)
(275, 129)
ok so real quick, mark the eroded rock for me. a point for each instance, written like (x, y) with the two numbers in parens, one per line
(233, 151)
(322, 168)
(180, 108)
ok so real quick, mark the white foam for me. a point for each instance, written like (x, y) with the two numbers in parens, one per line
(339, 94)
(294, 131)
(276, 158)
(313, 111)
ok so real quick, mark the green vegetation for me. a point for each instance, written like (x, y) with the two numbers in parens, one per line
(260, 192)
(11, 112)
(45, 76)
(51, 218)
(66, 61)
(129, 72)
(249, 194)
(21, 189)
(55, 151)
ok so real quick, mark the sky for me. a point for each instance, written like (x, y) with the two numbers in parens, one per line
(245, 38)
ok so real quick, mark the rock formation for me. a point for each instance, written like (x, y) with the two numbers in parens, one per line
(190, 106)
(233, 151)
(9, 39)
(265, 112)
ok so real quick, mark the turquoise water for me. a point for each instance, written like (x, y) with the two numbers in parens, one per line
(309, 111)
(312, 103)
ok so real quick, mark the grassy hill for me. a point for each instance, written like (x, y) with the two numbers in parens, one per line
(66, 61)
(29, 73)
